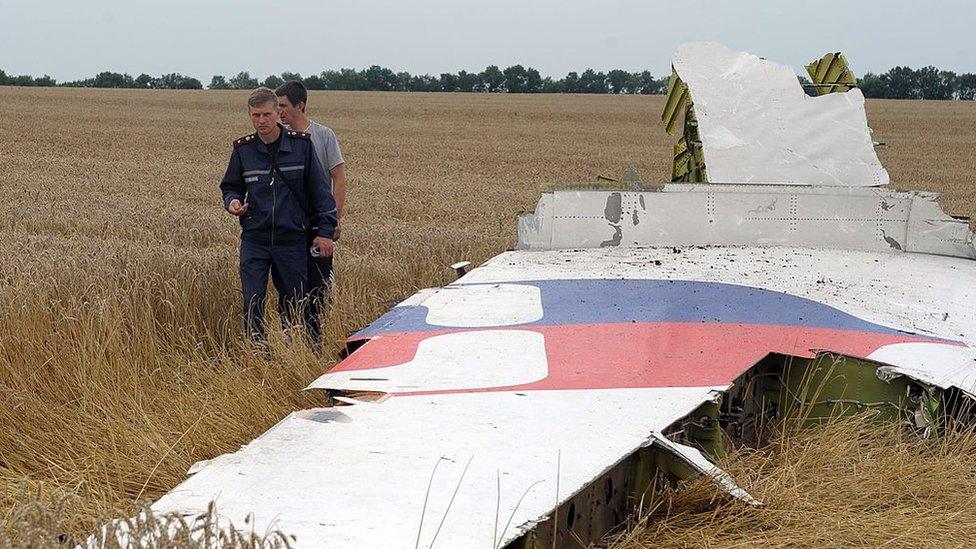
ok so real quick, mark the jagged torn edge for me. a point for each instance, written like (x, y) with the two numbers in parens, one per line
(698, 462)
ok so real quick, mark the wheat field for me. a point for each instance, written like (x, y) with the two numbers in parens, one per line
(121, 361)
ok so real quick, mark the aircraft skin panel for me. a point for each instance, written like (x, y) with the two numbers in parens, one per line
(758, 126)
(357, 476)
(746, 215)
(629, 341)
(916, 293)
(939, 365)
(599, 301)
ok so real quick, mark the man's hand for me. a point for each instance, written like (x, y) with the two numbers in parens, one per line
(236, 208)
(324, 245)
(335, 233)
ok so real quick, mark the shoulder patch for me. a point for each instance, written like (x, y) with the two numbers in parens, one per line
(245, 139)
(299, 135)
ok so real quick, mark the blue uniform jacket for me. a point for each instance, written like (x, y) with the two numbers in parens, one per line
(286, 196)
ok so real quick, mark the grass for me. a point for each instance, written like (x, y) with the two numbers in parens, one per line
(851, 482)
(120, 355)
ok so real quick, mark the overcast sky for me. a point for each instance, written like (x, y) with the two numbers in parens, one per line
(68, 39)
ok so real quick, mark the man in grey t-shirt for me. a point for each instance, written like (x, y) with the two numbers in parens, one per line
(292, 98)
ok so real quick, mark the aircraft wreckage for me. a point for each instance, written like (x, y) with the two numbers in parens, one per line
(533, 401)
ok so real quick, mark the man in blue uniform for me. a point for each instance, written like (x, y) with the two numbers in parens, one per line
(275, 185)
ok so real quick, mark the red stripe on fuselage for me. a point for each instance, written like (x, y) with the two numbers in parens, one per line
(616, 356)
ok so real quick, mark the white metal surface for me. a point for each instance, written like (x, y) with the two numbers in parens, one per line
(358, 476)
(453, 361)
(746, 215)
(758, 126)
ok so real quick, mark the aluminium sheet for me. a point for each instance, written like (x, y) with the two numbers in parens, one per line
(757, 125)
(629, 341)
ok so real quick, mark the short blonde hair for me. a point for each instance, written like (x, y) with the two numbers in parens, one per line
(261, 96)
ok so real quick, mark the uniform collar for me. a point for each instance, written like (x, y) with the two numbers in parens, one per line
(284, 146)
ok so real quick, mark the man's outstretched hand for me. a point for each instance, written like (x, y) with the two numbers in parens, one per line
(236, 208)
(324, 246)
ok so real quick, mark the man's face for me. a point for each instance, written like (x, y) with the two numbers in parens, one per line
(289, 113)
(264, 118)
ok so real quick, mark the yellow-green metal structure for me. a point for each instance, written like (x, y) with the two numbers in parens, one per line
(831, 74)
(689, 162)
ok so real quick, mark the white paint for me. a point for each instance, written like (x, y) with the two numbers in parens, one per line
(483, 306)
(326, 475)
(357, 476)
(748, 215)
(758, 126)
(939, 365)
(466, 360)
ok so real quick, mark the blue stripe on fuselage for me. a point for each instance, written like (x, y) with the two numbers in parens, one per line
(627, 300)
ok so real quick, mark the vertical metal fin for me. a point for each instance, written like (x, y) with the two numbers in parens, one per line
(689, 161)
(678, 99)
(831, 74)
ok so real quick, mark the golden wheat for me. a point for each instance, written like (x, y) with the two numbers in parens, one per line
(120, 354)
(850, 483)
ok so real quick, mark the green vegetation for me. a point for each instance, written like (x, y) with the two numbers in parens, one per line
(514, 79)
(898, 83)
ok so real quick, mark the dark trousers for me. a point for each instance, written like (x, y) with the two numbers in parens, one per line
(288, 265)
(319, 292)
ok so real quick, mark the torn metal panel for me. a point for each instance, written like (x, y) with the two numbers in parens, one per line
(676, 104)
(831, 74)
(688, 164)
(744, 215)
(629, 341)
(942, 366)
(757, 126)
(326, 480)
(697, 461)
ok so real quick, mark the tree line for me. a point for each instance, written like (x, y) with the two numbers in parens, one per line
(898, 83)
(514, 79)
(174, 81)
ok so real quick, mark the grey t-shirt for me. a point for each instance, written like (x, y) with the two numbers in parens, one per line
(326, 148)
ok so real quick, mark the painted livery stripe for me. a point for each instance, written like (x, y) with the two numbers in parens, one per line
(568, 302)
(630, 355)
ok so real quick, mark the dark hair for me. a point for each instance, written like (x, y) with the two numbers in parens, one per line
(294, 90)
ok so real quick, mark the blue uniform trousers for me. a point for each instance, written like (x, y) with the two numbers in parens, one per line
(288, 265)
(320, 280)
